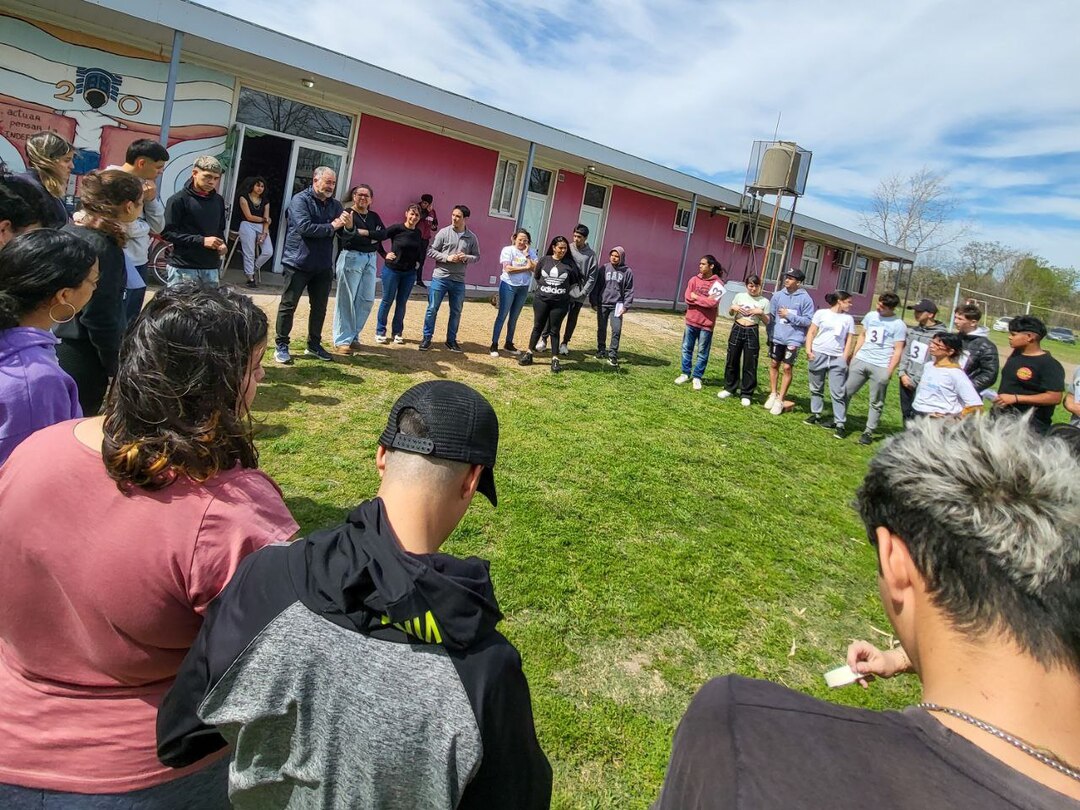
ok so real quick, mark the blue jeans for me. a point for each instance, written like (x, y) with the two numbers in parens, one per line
(396, 287)
(207, 789)
(437, 290)
(511, 300)
(175, 275)
(355, 295)
(702, 338)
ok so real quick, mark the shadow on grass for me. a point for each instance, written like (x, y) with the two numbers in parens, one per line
(313, 515)
(264, 431)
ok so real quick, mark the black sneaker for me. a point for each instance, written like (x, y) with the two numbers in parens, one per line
(828, 424)
(526, 359)
(454, 346)
(510, 347)
(613, 360)
(840, 432)
(425, 344)
(866, 438)
(555, 367)
(601, 354)
(421, 285)
(318, 352)
(812, 419)
(250, 283)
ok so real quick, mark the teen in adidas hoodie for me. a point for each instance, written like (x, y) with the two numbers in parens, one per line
(556, 275)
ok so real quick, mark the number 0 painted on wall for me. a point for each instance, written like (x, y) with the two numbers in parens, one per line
(130, 105)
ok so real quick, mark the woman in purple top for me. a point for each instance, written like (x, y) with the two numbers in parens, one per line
(46, 277)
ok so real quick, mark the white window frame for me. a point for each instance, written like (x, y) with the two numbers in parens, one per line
(860, 273)
(808, 262)
(776, 257)
(499, 207)
(681, 214)
(733, 229)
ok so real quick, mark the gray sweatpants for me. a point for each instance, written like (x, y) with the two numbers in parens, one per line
(878, 376)
(822, 366)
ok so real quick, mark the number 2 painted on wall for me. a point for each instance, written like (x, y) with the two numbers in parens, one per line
(67, 90)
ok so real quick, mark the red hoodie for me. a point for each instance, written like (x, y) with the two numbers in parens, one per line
(701, 311)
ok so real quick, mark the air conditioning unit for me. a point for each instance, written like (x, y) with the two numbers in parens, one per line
(842, 258)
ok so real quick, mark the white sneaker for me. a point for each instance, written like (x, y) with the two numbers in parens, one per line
(697, 384)
(777, 407)
(541, 345)
(681, 379)
(380, 338)
(564, 349)
(723, 394)
(399, 339)
(745, 402)
(769, 402)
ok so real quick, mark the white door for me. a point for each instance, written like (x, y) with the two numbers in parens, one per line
(538, 207)
(594, 214)
(306, 157)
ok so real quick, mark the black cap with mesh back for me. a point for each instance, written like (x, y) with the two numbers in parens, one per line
(460, 425)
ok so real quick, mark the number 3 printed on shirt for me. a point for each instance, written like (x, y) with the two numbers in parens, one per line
(919, 352)
(876, 335)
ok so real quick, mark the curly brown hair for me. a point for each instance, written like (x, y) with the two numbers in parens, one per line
(102, 194)
(176, 407)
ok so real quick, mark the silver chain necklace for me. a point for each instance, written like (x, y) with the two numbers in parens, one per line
(1044, 756)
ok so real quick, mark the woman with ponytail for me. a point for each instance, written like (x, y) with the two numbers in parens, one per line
(51, 160)
(830, 341)
(46, 277)
(90, 342)
(118, 532)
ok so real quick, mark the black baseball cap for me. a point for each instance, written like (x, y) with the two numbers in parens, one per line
(459, 425)
(798, 275)
(925, 305)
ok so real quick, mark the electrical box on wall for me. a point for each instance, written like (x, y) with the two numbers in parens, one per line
(491, 279)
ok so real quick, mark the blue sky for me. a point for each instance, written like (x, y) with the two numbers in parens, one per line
(985, 91)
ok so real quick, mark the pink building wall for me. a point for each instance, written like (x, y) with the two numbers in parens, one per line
(403, 162)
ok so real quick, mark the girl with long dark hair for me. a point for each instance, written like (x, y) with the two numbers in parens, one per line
(254, 232)
(556, 273)
(126, 527)
(90, 342)
(46, 277)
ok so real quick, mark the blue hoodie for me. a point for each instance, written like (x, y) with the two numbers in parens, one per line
(34, 391)
(791, 331)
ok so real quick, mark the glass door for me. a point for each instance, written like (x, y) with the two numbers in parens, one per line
(306, 157)
(593, 215)
(537, 208)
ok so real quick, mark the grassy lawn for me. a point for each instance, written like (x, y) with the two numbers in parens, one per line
(648, 536)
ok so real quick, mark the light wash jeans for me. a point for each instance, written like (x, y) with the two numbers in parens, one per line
(835, 369)
(511, 300)
(355, 295)
(175, 275)
(396, 288)
(438, 289)
(702, 338)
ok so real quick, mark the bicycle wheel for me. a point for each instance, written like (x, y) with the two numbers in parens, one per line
(158, 259)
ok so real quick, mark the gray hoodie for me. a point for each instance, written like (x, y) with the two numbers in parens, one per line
(585, 259)
(448, 242)
(614, 285)
(916, 352)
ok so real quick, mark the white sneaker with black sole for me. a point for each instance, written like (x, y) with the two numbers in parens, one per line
(697, 384)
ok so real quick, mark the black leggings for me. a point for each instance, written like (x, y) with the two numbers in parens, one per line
(548, 317)
(80, 359)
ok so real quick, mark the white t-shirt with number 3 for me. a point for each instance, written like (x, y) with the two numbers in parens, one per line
(882, 335)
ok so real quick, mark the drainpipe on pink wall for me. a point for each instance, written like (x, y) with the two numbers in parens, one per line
(685, 251)
(170, 87)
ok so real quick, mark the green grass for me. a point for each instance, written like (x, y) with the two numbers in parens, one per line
(648, 537)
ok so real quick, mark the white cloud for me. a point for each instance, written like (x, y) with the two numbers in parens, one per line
(873, 89)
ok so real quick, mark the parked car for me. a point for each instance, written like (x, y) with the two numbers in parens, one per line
(1002, 323)
(1062, 334)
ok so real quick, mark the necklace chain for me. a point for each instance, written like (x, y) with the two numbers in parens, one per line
(1044, 756)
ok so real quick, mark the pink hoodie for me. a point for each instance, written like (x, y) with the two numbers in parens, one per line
(701, 312)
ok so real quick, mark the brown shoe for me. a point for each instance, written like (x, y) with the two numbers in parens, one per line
(344, 349)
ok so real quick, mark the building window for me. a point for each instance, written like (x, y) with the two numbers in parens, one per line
(539, 181)
(733, 230)
(504, 192)
(278, 114)
(682, 219)
(860, 275)
(811, 261)
(776, 257)
(595, 195)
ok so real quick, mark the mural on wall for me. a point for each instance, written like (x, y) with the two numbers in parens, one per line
(101, 96)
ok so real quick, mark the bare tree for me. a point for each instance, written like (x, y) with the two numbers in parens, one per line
(981, 261)
(915, 213)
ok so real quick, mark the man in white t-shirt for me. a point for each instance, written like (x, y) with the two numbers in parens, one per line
(877, 353)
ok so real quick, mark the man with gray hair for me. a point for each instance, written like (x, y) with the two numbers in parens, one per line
(315, 217)
(195, 225)
(360, 666)
(979, 574)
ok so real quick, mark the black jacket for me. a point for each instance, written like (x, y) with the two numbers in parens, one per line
(370, 222)
(341, 667)
(189, 218)
(101, 321)
(309, 237)
(979, 359)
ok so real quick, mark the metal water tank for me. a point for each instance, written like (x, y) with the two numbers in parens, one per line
(779, 167)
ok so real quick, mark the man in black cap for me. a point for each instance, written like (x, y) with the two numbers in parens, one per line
(359, 667)
(917, 353)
